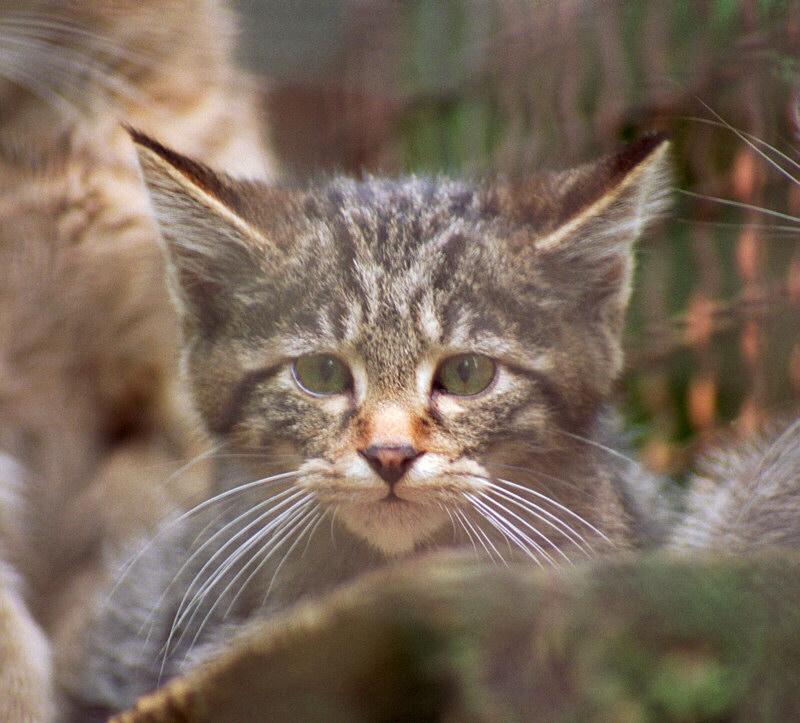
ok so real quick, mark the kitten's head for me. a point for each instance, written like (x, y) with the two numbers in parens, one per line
(392, 340)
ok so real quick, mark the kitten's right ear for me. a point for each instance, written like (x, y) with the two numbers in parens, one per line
(580, 225)
(212, 243)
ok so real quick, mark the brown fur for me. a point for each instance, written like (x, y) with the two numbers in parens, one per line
(90, 405)
(26, 686)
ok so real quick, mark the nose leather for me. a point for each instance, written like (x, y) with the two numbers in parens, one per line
(390, 462)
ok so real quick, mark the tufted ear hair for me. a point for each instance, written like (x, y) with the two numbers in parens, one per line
(580, 225)
(218, 233)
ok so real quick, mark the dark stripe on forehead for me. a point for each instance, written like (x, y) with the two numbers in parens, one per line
(452, 250)
(339, 312)
(345, 248)
(483, 317)
(238, 398)
(277, 308)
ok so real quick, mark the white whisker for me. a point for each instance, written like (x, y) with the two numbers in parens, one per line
(312, 525)
(477, 538)
(745, 135)
(446, 509)
(184, 609)
(752, 145)
(765, 228)
(739, 204)
(191, 513)
(70, 62)
(46, 91)
(239, 489)
(215, 449)
(273, 545)
(311, 534)
(557, 504)
(196, 603)
(51, 59)
(208, 526)
(467, 532)
(333, 520)
(529, 471)
(484, 539)
(294, 504)
(52, 28)
(527, 524)
(598, 445)
(271, 502)
(510, 532)
(545, 516)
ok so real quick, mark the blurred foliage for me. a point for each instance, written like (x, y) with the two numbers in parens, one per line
(515, 85)
(639, 641)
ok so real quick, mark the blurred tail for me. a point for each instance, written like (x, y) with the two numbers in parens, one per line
(747, 498)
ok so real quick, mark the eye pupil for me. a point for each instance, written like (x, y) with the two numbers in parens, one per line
(465, 368)
(327, 368)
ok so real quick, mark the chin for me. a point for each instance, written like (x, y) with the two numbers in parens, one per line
(394, 527)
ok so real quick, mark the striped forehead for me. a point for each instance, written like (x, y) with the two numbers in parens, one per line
(392, 271)
(409, 279)
(395, 240)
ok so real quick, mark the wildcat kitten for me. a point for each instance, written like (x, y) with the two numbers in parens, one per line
(416, 363)
(90, 407)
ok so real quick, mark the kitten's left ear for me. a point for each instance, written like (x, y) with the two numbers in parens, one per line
(584, 222)
(219, 234)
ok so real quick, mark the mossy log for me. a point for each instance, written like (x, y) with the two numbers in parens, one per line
(444, 638)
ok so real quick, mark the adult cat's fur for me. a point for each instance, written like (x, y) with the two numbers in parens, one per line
(90, 412)
(392, 277)
(70, 68)
(25, 659)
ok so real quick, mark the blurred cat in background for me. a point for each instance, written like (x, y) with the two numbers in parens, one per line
(92, 421)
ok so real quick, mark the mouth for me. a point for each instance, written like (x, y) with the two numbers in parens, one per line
(391, 524)
(392, 519)
(392, 499)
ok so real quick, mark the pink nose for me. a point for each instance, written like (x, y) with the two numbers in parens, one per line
(390, 462)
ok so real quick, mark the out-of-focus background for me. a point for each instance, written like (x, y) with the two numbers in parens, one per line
(430, 86)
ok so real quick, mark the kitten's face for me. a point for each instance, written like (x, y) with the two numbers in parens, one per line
(398, 342)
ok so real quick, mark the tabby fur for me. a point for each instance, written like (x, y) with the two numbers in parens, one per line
(392, 276)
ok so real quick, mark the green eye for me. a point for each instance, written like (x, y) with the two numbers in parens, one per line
(322, 374)
(465, 374)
